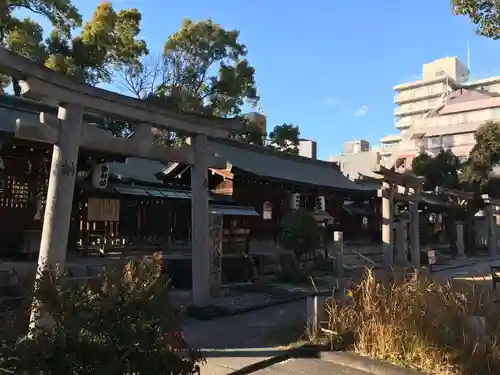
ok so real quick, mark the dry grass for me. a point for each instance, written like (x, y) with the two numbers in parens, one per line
(421, 324)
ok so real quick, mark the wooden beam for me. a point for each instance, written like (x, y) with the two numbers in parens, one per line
(95, 139)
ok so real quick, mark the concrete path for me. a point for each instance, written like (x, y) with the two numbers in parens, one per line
(308, 367)
(238, 341)
(477, 270)
(234, 342)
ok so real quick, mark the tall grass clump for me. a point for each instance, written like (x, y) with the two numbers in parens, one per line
(448, 328)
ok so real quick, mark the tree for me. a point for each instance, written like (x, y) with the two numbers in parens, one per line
(285, 138)
(483, 13)
(108, 40)
(483, 157)
(440, 171)
(251, 133)
(25, 37)
(62, 14)
(203, 70)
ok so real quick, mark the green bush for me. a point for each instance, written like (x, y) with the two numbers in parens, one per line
(122, 324)
(300, 232)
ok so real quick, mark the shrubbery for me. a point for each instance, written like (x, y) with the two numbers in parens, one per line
(122, 324)
(421, 324)
(300, 232)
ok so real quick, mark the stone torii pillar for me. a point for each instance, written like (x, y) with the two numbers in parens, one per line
(460, 241)
(60, 190)
(489, 215)
(401, 243)
(415, 228)
(201, 254)
(387, 195)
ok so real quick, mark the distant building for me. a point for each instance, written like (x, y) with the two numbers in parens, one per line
(308, 148)
(258, 119)
(357, 159)
(443, 110)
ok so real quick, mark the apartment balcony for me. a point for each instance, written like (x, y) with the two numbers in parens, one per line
(413, 110)
(403, 123)
(414, 96)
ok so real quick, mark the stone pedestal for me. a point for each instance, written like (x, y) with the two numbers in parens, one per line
(401, 244)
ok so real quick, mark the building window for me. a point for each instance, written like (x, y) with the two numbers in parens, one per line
(434, 142)
(447, 141)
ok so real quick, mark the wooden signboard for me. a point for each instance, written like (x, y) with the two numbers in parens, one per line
(103, 209)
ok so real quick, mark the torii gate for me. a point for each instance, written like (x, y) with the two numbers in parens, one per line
(68, 134)
(406, 188)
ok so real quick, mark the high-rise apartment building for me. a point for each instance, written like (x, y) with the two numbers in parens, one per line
(442, 110)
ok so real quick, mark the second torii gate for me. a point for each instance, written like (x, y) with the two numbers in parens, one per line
(396, 186)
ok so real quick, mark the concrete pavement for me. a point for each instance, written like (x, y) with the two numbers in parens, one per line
(308, 367)
(477, 271)
(234, 342)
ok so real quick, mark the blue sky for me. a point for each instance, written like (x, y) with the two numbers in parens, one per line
(329, 65)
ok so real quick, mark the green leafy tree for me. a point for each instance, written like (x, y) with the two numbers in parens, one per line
(483, 13)
(440, 171)
(108, 40)
(300, 232)
(251, 133)
(484, 156)
(285, 138)
(62, 14)
(25, 37)
(203, 69)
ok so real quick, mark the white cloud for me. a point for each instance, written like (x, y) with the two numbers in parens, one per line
(361, 111)
(331, 101)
